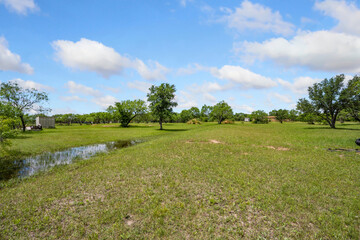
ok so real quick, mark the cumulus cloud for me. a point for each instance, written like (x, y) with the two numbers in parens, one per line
(97, 97)
(141, 86)
(72, 99)
(281, 97)
(10, 61)
(250, 16)
(185, 100)
(30, 84)
(347, 14)
(242, 108)
(88, 55)
(82, 89)
(321, 50)
(20, 6)
(300, 84)
(105, 101)
(242, 76)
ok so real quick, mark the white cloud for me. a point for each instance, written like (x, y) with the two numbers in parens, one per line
(20, 6)
(104, 101)
(72, 99)
(62, 111)
(82, 89)
(244, 77)
(155, 72)
(321, 50)
(242, 108)
(347, 13)
(10, 61)
(250, 16)
(141, 86)
(30, 84)
(299, 85)
(185, 100)
(191, 69)
(184, 2)
(88, 55)
(281, 97)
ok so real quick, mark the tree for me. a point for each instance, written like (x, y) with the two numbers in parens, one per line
(22, 100)
(259, 116)
(354, 98)
(328, 98)
(6, 130)
(280, 114)
(195, 112)
(185, 116)
(161, 101)
(206, 113)
(128, 110)
(221, 111)
(240, 116)
(293, 115)
(307, 111)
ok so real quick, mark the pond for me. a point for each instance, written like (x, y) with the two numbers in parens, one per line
(29, 166)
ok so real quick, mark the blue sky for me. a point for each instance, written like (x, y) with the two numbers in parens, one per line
(255, 55)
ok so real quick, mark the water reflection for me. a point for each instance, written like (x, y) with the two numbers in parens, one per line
(31, 165)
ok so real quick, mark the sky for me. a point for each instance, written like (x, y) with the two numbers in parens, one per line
(255, 55)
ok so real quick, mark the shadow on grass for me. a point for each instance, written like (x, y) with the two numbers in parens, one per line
(349, 129)
(173, 130)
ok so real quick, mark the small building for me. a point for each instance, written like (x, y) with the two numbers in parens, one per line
(45, 122)
(247, 120)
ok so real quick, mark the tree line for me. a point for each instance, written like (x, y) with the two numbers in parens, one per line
(328, 101)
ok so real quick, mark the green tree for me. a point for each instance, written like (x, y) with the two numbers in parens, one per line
(6, 130)
(329, 98)
(259, 116)
(240, 116)
(185, 115)
(205, 113)
(307, 111)
(221, 111)
(353, 107)
(293, 115)
(128, 110)
(161, 101)
(280, 114)
(22, 100)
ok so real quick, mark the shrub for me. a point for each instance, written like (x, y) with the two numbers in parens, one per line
(228, 121)
(194, 121)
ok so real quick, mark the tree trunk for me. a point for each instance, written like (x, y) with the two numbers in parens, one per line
(23, 123)
(160, 122)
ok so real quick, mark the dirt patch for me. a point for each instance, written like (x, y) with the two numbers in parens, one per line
(214, 141)
(278, 148)
(108, 126)
(129, 220)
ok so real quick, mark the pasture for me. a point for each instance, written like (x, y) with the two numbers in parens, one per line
(209, 181)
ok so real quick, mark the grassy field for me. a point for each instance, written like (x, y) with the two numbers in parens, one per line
(211, 181)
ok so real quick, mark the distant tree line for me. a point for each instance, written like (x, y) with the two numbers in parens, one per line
(328, 101)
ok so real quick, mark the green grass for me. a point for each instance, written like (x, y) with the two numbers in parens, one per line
(271, 181)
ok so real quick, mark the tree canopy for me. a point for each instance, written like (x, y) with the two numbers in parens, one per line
(328, 98)
(161, 101)
(21, 100)
(221, 111)
(128, 110)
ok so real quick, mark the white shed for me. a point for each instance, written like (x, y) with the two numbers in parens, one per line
(45, 122)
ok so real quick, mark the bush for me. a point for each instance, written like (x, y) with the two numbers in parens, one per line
(227, 121)
(194, 121)
(259, 117)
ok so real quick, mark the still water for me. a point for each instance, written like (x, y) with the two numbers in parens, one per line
(29, 166)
